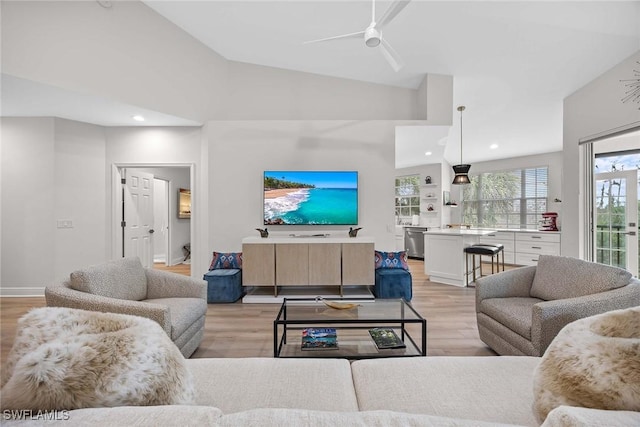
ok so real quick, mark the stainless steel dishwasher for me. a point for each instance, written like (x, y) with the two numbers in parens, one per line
(414, 241)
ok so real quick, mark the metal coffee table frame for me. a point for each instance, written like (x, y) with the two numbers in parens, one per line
(352, 326)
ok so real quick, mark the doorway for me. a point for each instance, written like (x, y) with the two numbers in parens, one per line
(146, 220)
(161, 221)
(616, 202)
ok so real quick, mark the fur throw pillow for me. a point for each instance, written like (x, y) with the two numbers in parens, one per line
(68, 359)
(593, 363)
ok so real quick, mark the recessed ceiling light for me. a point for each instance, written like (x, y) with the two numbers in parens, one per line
(493, 146)
(138, 118)
(428, 153)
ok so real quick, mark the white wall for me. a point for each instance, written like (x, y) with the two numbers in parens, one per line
(239, 152)
(80, 179)
(52, 169)
(257, 92)
(28, 194)
(593, 109)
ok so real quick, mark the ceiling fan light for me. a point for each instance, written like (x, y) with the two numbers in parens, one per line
(372, 42)
(372, 37)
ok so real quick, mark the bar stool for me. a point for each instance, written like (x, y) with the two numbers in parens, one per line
(482, 249)
(500, 251)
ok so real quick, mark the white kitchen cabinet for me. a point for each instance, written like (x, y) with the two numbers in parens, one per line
(505, 238)
(530, 245)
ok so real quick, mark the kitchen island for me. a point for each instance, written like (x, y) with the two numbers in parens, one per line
(444, 259)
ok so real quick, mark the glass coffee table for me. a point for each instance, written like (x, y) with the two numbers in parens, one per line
(353, 328)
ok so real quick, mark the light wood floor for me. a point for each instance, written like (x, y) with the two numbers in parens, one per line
(245, 330)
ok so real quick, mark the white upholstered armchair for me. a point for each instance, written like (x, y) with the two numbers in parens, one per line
(520, 311)
(178, 303)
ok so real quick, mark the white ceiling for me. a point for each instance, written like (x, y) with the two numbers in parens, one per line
(21, 97)
(513, 62)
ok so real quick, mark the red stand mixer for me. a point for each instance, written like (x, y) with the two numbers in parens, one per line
(549, 221)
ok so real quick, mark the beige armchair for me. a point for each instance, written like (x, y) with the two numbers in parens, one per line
(178, 303)
(520, 311)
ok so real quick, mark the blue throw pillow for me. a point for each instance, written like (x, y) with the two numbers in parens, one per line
(226, 260)
(391, 260)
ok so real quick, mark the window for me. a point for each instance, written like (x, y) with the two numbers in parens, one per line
(407, 196)
(508, 199)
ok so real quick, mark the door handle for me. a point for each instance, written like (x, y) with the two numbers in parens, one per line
(152, 231)
(630, 233)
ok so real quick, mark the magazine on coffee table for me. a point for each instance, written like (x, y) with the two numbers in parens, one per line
(386, 338)
(319, 339)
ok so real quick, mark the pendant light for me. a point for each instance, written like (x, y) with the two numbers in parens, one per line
(461, 170)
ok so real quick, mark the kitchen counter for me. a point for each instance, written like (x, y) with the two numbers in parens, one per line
(444, 257)
(461, 232)
(521, 230)
(444, 260)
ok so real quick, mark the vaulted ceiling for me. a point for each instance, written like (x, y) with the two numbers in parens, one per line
(513, 62)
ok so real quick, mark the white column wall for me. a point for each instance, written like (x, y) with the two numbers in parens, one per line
(79, 182)
(28, 194)
(591, 110)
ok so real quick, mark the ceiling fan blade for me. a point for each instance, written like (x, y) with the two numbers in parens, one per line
(391, 56)
(395, 8)
(344, 36)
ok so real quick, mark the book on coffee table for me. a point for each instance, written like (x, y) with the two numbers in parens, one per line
(319, 339)
(386, 338)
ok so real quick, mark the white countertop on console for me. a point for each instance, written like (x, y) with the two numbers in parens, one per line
(311, 239)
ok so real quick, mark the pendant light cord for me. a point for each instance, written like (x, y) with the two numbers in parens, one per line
(461, 109)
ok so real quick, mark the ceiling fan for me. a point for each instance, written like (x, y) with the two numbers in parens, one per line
(373, 33)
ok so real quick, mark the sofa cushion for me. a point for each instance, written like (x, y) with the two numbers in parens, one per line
(298, 417)
(563, 277)
(515, 313)
(121, 279)
(391, 260)
(222, 260)
(184, 312)
(490, 389)
(66, 358)
(235, 385)
(593, 362)
(571, 416)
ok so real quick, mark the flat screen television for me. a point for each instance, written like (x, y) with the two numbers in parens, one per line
(310, 197)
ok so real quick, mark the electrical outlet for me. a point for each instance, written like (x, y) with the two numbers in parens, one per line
(64, 223)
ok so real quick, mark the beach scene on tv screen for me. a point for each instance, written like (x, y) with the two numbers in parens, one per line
(310, 198)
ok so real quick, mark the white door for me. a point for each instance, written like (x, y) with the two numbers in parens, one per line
(161, 221)
(138, 215)
(616, 219)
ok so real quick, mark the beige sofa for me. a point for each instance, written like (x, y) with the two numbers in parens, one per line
(431, 391)
(65, 358)
(178, 303)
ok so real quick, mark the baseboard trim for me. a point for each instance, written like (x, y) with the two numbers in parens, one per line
(21, 292)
